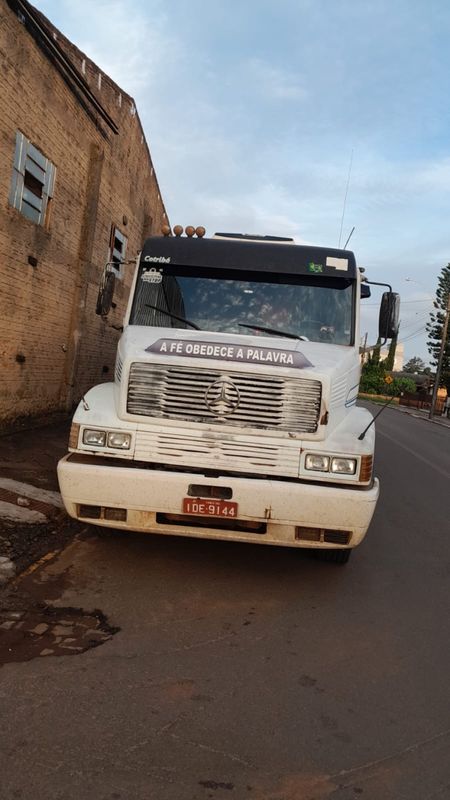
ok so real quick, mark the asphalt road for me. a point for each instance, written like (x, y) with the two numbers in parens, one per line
(245, 671)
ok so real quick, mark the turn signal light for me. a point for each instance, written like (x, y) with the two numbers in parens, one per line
(74, 434)
(365, 471)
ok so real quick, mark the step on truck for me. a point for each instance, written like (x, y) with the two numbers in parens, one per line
(233, 413)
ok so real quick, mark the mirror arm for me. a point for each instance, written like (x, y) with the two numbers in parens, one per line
(370, 347)
(375, 283)
(119, 263)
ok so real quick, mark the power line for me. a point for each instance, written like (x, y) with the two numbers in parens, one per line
(405, 324)
(420, 328)
(403, 302)
(411, 336)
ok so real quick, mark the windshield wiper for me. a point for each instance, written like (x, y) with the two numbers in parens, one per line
(274, 331)
(174, 316)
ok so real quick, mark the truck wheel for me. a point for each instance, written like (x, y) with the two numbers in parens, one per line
(337, 556)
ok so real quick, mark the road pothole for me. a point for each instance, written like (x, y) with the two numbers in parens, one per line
(43, 631)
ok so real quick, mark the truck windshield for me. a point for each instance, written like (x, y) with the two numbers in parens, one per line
(317, 309)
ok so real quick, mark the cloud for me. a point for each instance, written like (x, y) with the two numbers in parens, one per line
(126, 42)
(273, 82)
(251, 213)
(433, 175)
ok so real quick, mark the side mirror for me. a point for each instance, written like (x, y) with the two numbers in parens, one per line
(388, 321)
(365, 291)
(105, 294)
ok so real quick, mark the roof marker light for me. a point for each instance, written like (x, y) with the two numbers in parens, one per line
(178, 230)
(190, 230)
(200, 231)
(165, 230)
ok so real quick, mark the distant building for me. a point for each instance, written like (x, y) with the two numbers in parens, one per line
(384, 352)
(399, 356)
(77, 189)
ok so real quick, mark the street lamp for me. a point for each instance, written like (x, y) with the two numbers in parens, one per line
(413, 280)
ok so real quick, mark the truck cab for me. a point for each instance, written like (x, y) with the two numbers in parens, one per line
(233, 412)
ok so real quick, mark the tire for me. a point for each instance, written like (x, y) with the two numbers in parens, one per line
(336, 556)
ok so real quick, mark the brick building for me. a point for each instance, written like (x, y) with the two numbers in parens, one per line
(77, 190)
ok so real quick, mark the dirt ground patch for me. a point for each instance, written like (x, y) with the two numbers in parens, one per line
(24, 543)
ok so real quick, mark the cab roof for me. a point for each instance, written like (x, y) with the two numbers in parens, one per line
(249, 256)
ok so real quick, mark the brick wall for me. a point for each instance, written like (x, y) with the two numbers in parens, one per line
(53, 346)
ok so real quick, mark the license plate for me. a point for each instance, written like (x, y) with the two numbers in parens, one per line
(210, 508)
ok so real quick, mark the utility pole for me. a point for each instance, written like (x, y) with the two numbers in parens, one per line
(440, 360)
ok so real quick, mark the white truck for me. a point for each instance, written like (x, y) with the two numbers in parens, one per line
(233, 412)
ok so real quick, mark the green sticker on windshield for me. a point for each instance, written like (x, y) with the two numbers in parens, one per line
(315, 267)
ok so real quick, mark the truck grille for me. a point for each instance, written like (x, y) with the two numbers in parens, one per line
(209, 451)
(264, 401)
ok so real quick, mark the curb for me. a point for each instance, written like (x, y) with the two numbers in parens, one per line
(32, 520)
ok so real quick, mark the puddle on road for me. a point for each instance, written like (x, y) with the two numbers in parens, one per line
(42, 631)
(32, 627)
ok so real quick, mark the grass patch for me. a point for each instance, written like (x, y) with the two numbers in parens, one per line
(378, 398)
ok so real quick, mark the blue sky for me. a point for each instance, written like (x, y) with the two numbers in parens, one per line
(254, 111)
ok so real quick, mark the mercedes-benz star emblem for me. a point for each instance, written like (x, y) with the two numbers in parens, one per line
(222, 398)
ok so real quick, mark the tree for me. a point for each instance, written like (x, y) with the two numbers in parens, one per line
(374, 357)
(372, 378)
(436, 324)
(399, 386)
(415, 364)
(389, 361)
(373, 381)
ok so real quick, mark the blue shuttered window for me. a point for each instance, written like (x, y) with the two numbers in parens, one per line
(33, 182)
(117, 251)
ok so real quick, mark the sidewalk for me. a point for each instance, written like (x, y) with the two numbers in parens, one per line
(415, 412)
(438, 419)
(31, 509)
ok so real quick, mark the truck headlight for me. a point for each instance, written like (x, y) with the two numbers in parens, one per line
(95, 438)
(343, 466)
(121, 441)
(317, 463)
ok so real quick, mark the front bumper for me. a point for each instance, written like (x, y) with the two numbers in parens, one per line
(282, 506)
